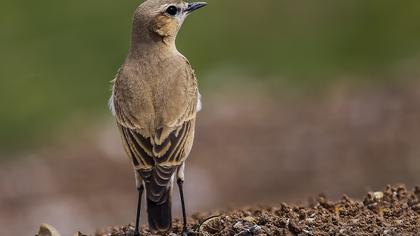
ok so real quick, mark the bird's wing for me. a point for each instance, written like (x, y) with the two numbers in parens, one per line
(157, 162)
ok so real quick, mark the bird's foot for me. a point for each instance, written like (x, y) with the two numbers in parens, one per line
(136, 233)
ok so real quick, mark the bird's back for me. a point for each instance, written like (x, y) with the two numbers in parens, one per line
(152, 94)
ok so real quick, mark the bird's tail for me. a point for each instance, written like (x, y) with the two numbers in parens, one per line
(160, 213)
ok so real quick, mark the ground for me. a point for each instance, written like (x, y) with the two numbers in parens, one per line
(395, 211)
(280, 149)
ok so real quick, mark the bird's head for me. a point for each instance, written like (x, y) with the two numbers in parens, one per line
(160, 20)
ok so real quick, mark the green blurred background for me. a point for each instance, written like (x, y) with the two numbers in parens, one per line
(57, 57)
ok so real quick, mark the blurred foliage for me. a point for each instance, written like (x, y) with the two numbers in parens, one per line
(57, 57)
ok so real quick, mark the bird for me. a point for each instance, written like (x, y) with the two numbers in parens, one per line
(155, 100)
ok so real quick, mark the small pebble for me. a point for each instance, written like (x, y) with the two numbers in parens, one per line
(238, 225)
(378, 195)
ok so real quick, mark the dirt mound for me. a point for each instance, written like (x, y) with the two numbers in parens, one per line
(395, 211)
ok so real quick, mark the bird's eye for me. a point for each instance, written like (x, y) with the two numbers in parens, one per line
(172, 10)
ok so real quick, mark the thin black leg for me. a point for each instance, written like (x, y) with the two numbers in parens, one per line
(140, 190)
(184, 214)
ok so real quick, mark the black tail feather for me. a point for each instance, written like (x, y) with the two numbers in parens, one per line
(160, 214)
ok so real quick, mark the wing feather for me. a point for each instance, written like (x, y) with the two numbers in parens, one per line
(157, 163)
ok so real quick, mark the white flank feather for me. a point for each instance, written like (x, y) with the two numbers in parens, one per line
(199, 104)
(111, 103)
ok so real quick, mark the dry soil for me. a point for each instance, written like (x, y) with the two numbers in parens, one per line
(395, 211)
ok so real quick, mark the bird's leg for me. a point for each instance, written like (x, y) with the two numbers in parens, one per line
(180, 181)
(184, 215)
(140, 190)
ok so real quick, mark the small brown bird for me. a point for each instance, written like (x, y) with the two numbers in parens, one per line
(155, 99)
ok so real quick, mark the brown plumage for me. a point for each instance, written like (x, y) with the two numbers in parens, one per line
(155, 99)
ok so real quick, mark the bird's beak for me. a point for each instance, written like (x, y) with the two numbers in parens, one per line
(195, 6)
